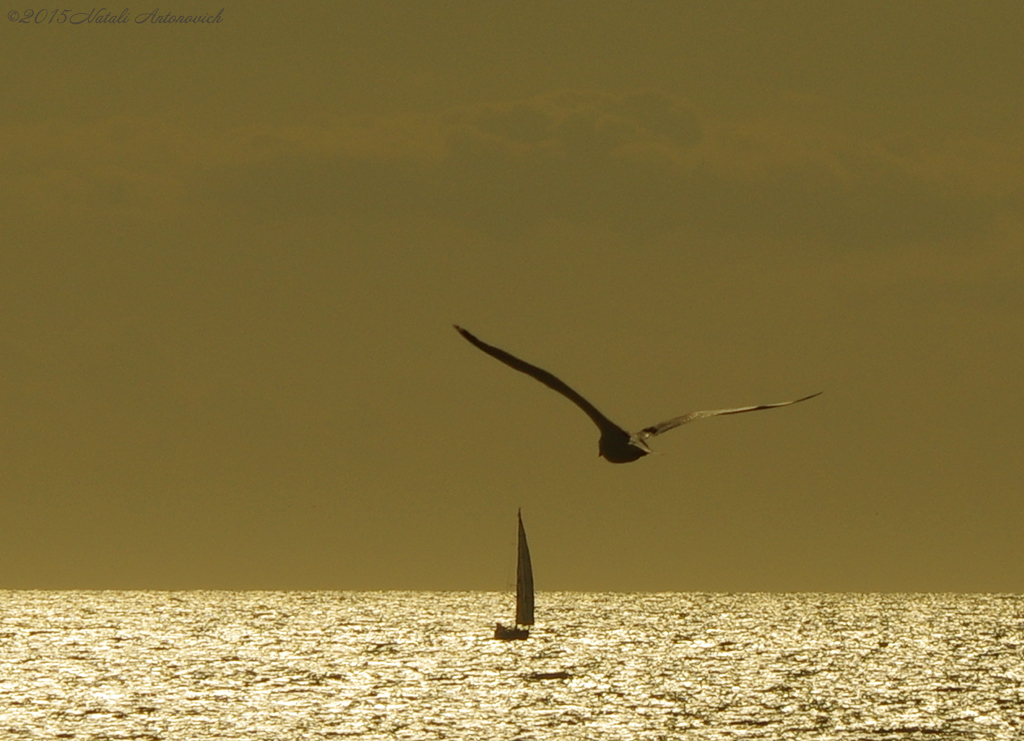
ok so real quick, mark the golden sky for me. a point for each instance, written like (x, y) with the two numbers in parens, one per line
(233, 253)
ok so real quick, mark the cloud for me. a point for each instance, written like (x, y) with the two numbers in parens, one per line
(572, 156)
(641, 162)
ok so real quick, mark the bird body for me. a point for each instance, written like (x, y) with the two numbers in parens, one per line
(616, 445)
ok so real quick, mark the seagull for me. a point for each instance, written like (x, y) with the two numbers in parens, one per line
(616, 444)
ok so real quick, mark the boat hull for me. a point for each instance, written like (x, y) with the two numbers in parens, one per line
(514, 633)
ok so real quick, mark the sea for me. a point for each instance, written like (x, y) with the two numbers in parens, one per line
(198, 665)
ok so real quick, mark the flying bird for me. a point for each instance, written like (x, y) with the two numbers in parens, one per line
(616, 444)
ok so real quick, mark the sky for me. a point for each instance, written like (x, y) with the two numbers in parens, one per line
(233, 253)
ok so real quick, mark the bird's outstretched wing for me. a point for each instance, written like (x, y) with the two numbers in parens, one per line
(548, 379)
(694, 416)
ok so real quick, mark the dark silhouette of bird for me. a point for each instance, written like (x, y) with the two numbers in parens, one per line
(616, 444)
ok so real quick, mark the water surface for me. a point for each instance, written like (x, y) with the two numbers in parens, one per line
(418, 665)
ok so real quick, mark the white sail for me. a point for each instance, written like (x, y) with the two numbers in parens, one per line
(524, 580)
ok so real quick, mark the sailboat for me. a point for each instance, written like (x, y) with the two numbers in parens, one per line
(524, 593)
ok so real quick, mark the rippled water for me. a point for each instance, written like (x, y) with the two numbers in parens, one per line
(416, 665)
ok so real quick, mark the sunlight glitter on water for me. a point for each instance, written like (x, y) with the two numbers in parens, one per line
(258, 665)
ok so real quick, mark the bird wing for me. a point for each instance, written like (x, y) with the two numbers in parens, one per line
(548, 379)
(694, 416)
